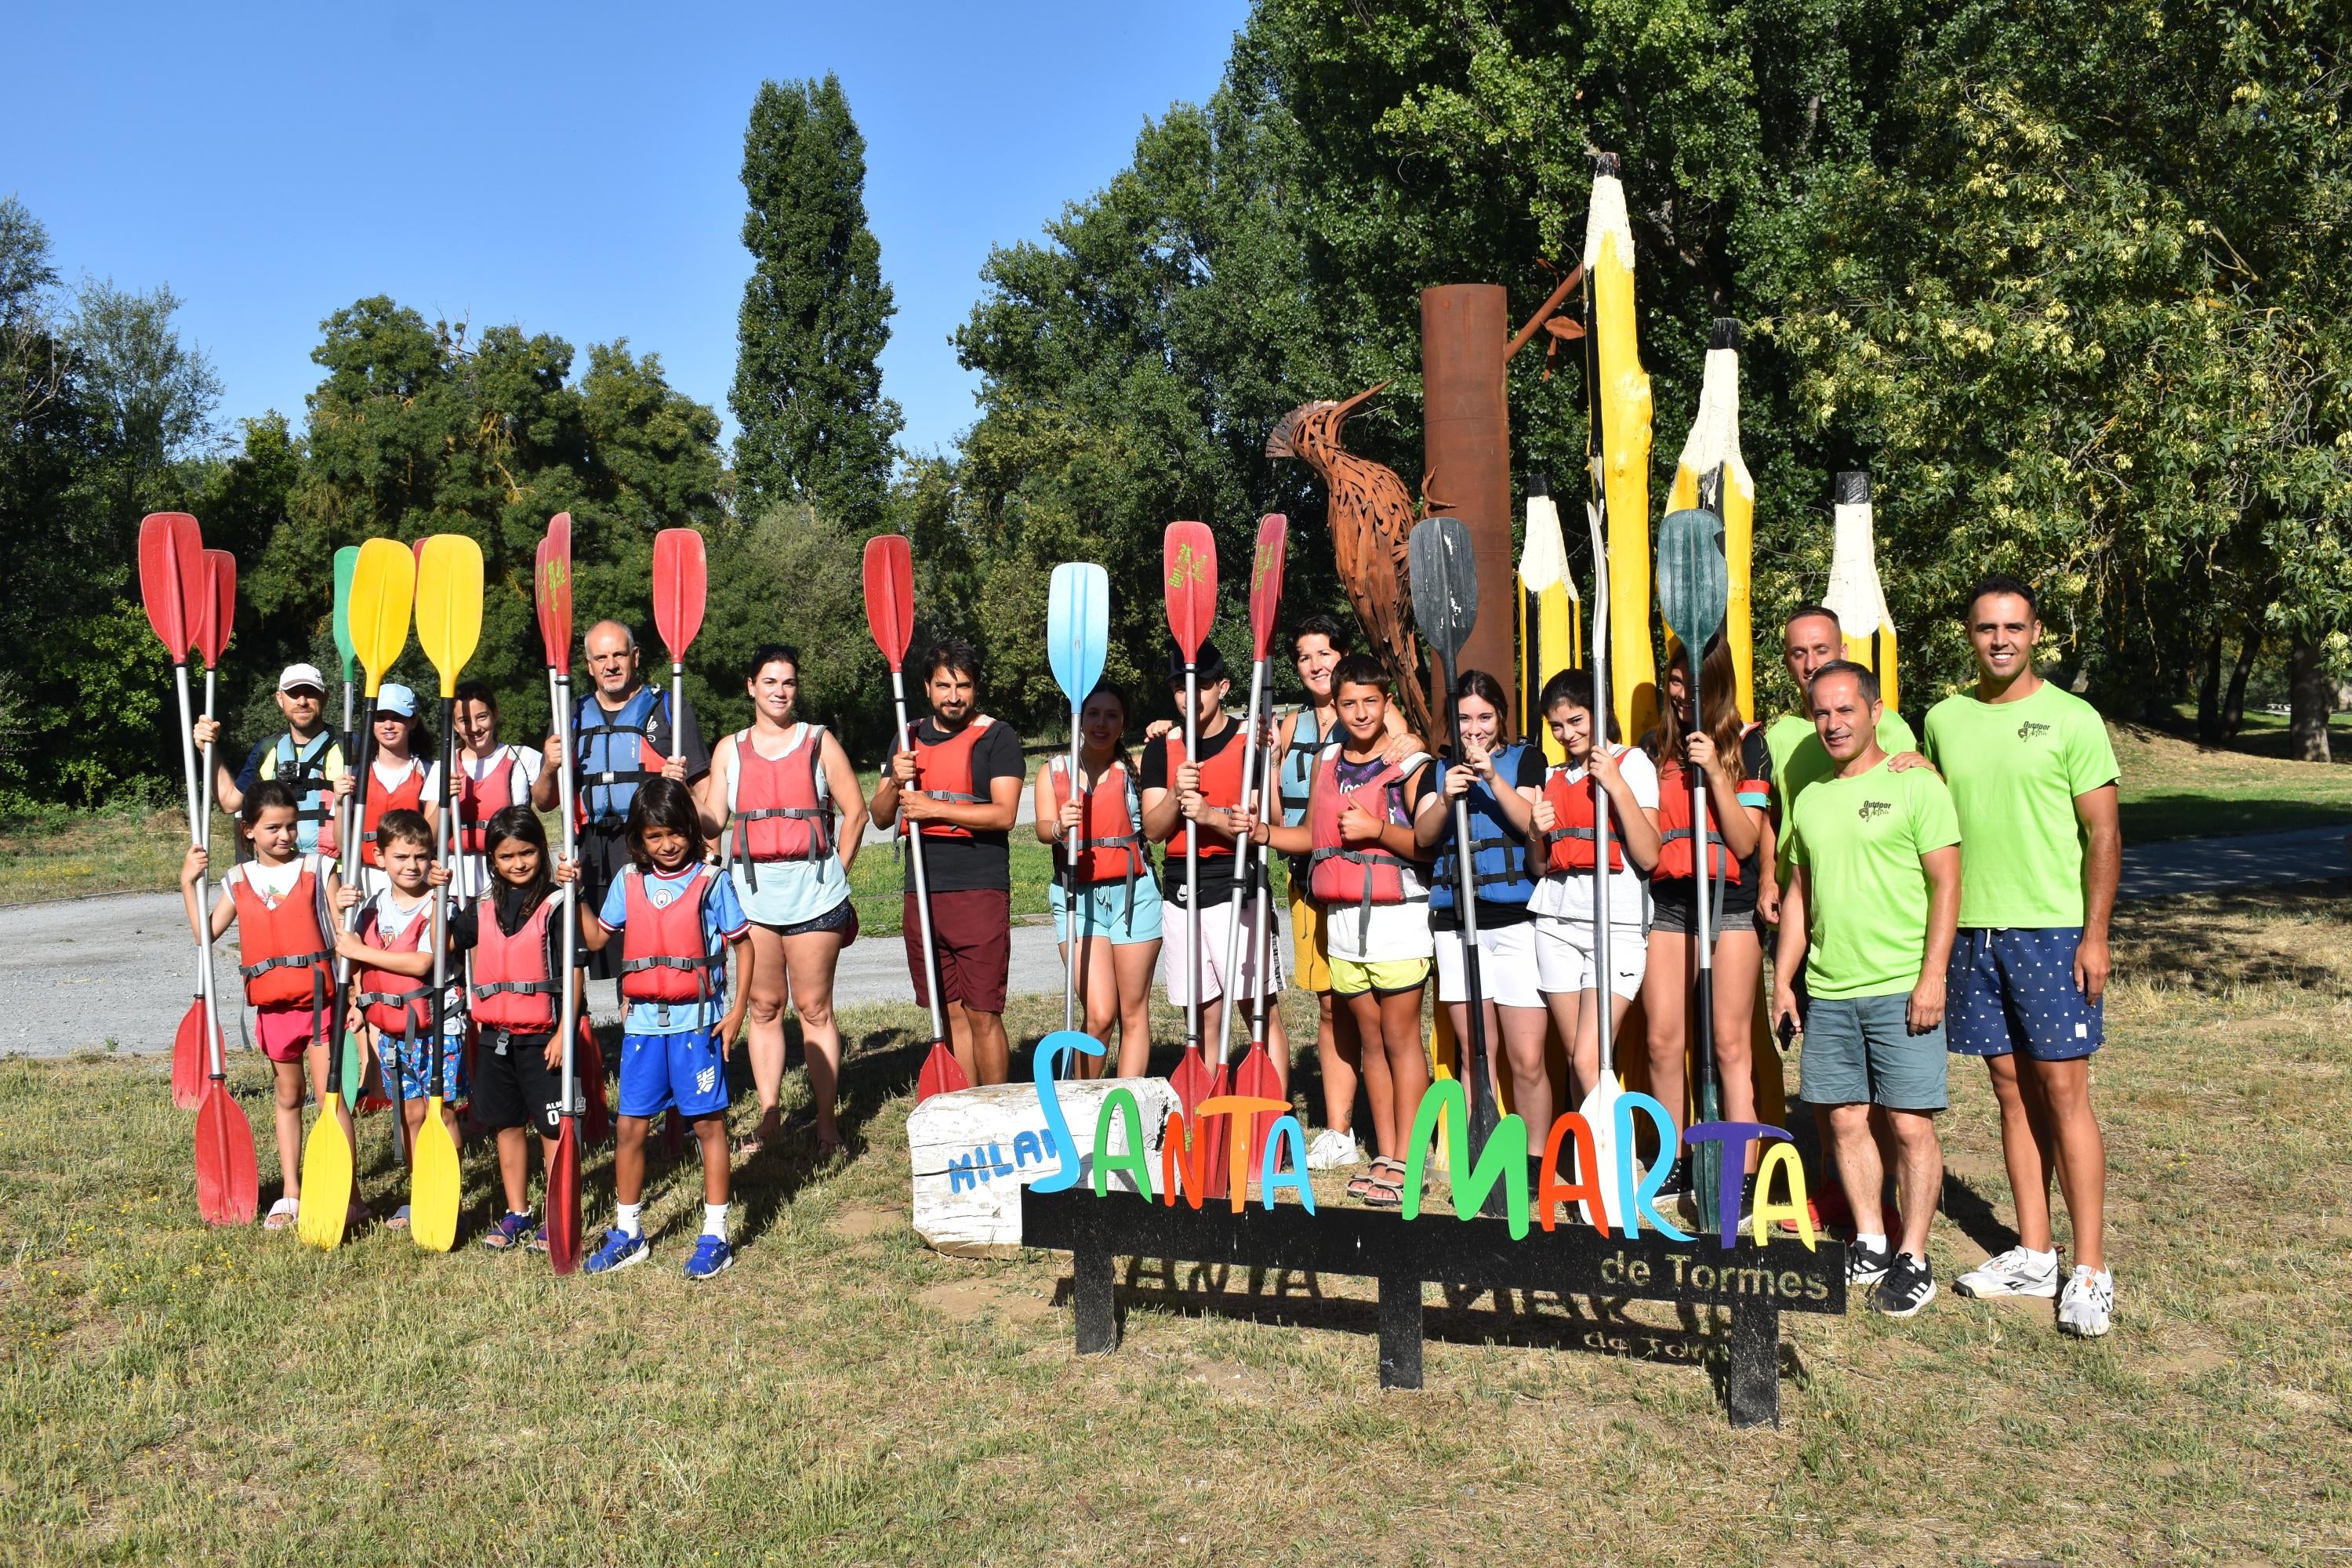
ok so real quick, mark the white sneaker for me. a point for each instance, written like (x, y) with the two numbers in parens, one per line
(2088, 1303)
(1332, 1149)
(2016, 1272)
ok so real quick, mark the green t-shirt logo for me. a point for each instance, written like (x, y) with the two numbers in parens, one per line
(1873, 810)
(2029, 731)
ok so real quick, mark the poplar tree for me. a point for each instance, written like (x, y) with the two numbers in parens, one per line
(816, 315)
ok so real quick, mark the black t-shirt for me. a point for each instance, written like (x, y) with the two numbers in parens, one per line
(964, 865)
(1216, 871)
(1528, 774)
(1740, 896)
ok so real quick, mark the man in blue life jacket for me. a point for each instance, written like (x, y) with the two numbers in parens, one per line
(622, 734)
(308, 755)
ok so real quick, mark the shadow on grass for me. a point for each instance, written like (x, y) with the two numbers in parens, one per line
(2169, 819)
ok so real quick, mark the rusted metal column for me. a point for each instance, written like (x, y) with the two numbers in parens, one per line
(1466, 456)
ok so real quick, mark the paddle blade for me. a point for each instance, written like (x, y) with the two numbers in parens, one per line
(326, 1178)
(383, 587)
(1254, 1080)
(1190, 1080)
(1215, 1137)
(1265, 579)
(347, 561)
(890, 594)
(172, 578)
(190, 1061)
(220, 605)
(1078, 627)
(681, 578)
(449, 605)
(1189, 557)
(1600, 1114)
(1444, 584)
(1694, 581)
(433, 1183)
(563, 1228)
(591, 1063)
(941, 1073)
(228, 1183)
(555, 591)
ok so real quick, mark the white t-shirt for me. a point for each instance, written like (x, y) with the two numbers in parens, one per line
(1567, 895)
(274, 882)
(431, 788)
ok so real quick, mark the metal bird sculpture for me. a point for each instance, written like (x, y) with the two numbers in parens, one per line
(1370, 514)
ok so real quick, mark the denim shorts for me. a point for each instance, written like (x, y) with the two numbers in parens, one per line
(2014, 990)
(1861, 1048)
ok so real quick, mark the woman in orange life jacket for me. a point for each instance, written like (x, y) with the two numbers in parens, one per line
(1566, 819)
(1116, 902)
(1732, 757)
(1360, 845)
(403, 780)
(788, 788)
(278, 902)
(390, 946)
(490, 777)
(1502, 783)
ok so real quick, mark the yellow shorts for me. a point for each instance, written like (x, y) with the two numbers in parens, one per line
(1349, 978)
(1310, 960)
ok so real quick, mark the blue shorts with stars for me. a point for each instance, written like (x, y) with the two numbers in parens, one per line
(2014, 990)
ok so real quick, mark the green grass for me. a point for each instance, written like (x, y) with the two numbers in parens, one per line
(53, 852)
(2173, 788)
(170, 1393)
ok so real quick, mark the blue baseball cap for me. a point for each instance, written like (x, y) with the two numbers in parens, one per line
(395, 697)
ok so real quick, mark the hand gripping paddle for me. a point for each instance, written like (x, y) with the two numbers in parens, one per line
(381, 588)
(552, 598)
(1255, 1076)
(1444, 574)
(1694, 590)
(1077, 640)
(889, 569)
(448, 627)
(190, 1053)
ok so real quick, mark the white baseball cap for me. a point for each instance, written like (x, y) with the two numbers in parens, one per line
(295, 675)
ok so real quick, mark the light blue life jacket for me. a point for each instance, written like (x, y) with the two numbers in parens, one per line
(1498, 858)
(616, 753)
(305, 768)
(1297, 780)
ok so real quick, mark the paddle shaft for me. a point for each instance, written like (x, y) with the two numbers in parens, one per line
(1703, 982)
(922, 879)
(1193, 867)
(1073, 943)
(1241, 864)
(1465, 902)
(1605, 1012)
(1261, 940)
(204, 834)
(443, 851)
(559, 692)
(214, 1069)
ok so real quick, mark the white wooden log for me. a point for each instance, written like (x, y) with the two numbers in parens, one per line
(974, 1151)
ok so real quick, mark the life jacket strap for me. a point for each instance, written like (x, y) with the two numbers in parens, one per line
(285, 960)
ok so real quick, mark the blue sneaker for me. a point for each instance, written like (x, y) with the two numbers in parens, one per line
(710, 1256)
(618, 1250)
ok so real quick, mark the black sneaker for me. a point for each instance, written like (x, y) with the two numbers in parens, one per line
(1865, 1265)
(1909, 1284)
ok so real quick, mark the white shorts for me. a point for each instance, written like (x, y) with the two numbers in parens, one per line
(1506, 965)
(1564, 959)
(1216, 926)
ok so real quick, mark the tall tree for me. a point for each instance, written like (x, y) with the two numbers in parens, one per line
(816, 315)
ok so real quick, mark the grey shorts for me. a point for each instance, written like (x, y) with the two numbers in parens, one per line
(1861, 1048)
(1674, 914)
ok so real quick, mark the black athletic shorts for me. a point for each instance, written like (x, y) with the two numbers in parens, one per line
(513, 1085)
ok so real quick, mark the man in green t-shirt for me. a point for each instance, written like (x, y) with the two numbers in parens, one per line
(2032, 778)
(1869, 912)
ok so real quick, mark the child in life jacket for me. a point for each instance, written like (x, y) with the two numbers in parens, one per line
(1565, 902)
(1500, 784)
(278, 901)
(1102, 880)
(399, 780)
(676, 916)
(1363, 873)
(1732, 758)
(390, 946)
(488, 776)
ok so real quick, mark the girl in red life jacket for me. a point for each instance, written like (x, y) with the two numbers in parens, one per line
(488, 776)
(1362, 871)
(390, 946)
(1567, 836)
(400, 781)
(1100, 822)
(278, 902)
(1732, 757)
(786, 788)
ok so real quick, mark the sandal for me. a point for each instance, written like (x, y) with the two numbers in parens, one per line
(282, 1213)
(749, 1145)
(1380, 1195)
(829, 1148)
(512, 1228)
(1362, 1186)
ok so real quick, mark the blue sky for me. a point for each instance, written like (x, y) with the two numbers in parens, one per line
(570, 169)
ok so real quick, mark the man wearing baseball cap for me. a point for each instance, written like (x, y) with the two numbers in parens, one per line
(308, 755)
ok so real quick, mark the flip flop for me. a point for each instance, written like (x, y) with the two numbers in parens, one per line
(282, 1213)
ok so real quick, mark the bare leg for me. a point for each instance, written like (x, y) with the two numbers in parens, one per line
(2025, 1150)
(1098, 988)
(1134, 965)
(2064, 1089)
(1523, 1032)
(1364, 1013)
(1570, 1016)
(514, 1168)
(808, 968)
(629, 1159)
(1408, 1062)
(1856, 1152)
(988, 1047)
(960, 1041)
(287, 1081)
(710, 1131)
(1922, 1174)
(1339, 1049)
(1665, 1002)
(763, 1027)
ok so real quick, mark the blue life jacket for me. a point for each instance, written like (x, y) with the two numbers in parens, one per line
(1498, 859)
(616, 753)
(306, 770)
(1297, 780)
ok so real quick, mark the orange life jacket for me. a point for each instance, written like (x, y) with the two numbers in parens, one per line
(1340, 873)
(514, 987)
(664, 957)
(479, 800)
(396, 1004)
(782, 807)
(406, 795)
(1221, 785)
(1674, 831)
(1571, 838)
(943, 771)
(283, 944)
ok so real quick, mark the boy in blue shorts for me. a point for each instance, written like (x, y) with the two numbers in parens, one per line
(676, 916)
(2033, 779)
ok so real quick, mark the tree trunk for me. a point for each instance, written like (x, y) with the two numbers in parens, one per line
(2310, 696)
(2209, 694)
(2233, 707)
